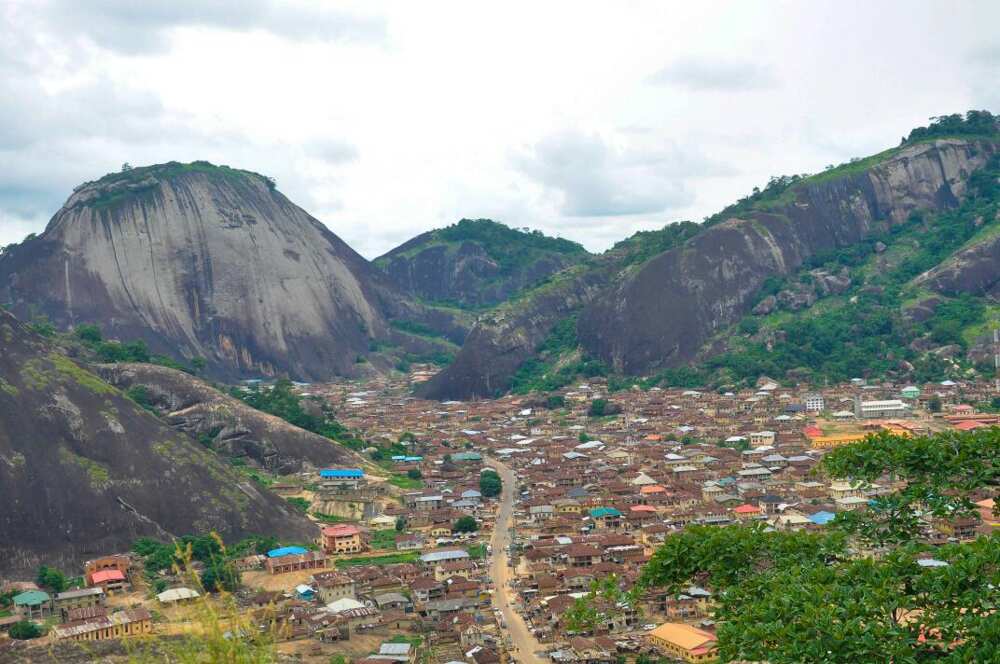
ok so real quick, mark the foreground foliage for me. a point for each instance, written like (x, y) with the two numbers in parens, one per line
(786, 597)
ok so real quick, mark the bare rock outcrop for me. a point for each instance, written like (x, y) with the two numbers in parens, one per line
(204, 261)
(84, 471)
(231, 427)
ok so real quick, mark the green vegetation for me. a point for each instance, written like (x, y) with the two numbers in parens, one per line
(866, 332)
(140, 394)
(805, 596)
(552, 366)
(644, 245)
(465, 524)
(383, 539)
(605, 601)
(133, 182)
(414, 328)
(301, 504)
(974, 123)
(282, 402)
(51, 579)
(490, 484)
(24, 630)
(391, 559)
(114, 352)
(477, 551)
(405, 482)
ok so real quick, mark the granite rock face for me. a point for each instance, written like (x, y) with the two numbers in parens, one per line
(84, 471)
(234, 429)
(466, 265)
(203, 261)
(661, 315)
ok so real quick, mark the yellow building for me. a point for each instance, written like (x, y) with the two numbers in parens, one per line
(131, 622)
(684, 642)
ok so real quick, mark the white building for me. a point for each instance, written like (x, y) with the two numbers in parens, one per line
(814, 403)
(886, 408)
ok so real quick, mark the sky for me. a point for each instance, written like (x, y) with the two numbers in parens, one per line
(585, 120)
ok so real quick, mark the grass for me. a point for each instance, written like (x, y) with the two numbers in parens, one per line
(389, 559)
(383, 539)
(477, 551)
(332, 518)
(404, 482)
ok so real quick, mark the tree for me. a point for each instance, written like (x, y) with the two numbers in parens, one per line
(555, 401)
(89, 334)
(24, 630)
(803, 596)
(490, 484)
(220, 576)
(465, 524)
(414, 474)
(934, 404)
(597, 407)
(605, 602)
(400, 524)
(51, 578)
(198, 364)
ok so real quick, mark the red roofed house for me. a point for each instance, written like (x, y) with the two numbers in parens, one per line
(120, 563)
(343, 538)
(812, 431)
(111, 580)
(746, 511)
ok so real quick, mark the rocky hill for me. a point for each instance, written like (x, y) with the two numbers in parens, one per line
(476, 262)
(666, 300)
(224, 424)
(203, 261)
(85, 471)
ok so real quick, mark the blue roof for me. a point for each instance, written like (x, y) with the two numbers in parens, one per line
(342, 473)
(286, 551)
(822, 518)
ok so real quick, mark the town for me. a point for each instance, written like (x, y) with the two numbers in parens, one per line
(477, 537)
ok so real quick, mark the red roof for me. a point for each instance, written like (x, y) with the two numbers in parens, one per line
(969, 425)
(106, 575)
(343, 530)
(643, 508)
(746, 509)
(812, 431)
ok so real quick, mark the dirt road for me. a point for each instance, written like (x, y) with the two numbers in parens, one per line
(524, 641)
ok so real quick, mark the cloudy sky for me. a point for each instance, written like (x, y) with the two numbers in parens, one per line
(585, 120)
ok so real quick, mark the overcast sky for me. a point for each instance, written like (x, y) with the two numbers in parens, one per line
(585, 120)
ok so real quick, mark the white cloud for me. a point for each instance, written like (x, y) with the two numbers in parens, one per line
(386, 119)
(715, 75)
(595, 179)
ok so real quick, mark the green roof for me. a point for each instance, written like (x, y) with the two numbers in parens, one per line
(31, 598)
(601, 512)
(467, 456)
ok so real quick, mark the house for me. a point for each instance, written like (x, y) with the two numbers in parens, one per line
(814, 403)
(130, 622)
(882, 409)
(606, 517)
(64, 602)
(342, 538)
(110, 580)
(434, 558)
(396, 652)
(393, 602)
(342, 479)
(684, 642)
(119, 562)
(177, 596)
(409, 542)
(294, 562)
(32, 604)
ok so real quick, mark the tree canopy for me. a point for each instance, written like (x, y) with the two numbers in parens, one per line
(868, 588)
